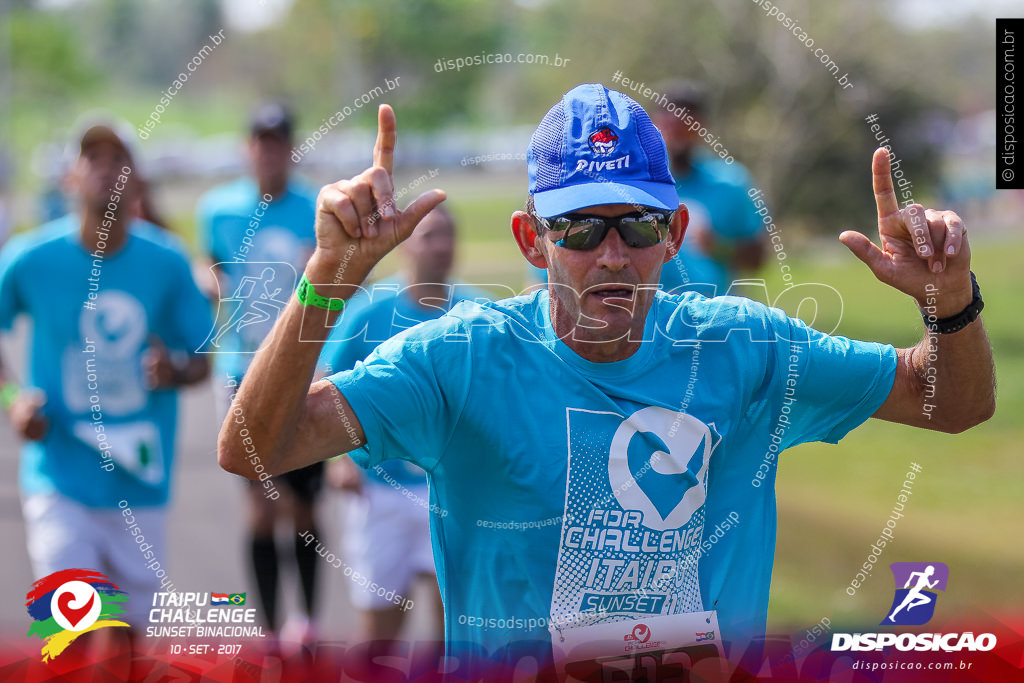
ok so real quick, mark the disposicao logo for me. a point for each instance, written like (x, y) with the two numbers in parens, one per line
(71, 602)
(920, 580)
(913, 605)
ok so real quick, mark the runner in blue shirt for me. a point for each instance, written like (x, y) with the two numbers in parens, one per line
(257, 235)
(606, 452)
(725, 237)
(116, 321)
(386, 532)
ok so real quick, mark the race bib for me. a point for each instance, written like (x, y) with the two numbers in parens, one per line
(637, 646)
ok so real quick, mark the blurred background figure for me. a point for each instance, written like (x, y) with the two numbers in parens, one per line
(257, 233)
(724, 239)
(116, 319)
(386, 519)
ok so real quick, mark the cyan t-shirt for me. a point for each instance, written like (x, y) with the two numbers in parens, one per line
(371, 317)
(581, 492)
(110, 437)
(715, 194)
(262, 248)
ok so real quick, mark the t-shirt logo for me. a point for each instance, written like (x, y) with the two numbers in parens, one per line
(104, 367)
(658, 464)
(634, 516)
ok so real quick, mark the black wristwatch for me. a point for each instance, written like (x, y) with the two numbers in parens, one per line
(955, 323)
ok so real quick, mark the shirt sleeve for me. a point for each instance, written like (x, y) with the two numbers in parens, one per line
(191, 318)
(206, 234)
(823, 385)
(409, 393)
(11, 302)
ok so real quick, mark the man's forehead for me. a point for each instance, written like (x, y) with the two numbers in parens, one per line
(104, 145)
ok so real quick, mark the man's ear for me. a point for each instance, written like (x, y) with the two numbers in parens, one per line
(525, 233)
(676, 231)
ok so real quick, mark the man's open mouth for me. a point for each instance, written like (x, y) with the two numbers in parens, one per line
(613, 292)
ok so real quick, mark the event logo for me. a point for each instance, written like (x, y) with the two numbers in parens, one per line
(641, 633)
(640, 639)
(71, 602)
(658, 464)
(603, 141)
(914, 604)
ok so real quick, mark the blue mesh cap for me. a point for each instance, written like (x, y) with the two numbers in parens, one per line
(598, 146)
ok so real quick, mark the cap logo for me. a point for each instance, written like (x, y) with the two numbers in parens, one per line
(603, 141)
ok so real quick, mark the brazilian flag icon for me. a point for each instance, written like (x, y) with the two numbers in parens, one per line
(237, 598)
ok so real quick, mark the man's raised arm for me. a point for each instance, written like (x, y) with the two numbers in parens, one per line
(277, 419)
(947, 381)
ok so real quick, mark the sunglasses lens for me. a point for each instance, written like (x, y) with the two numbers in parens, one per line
(585, 233)
(644, 231)
(577, 233)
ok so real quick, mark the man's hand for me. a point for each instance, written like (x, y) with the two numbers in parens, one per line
(160, 370)
(357, 222)
(920, 247)
(27, 416)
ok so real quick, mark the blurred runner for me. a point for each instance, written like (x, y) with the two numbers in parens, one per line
(257, 234)
(116, 320)
(725, 238)
(387, 521)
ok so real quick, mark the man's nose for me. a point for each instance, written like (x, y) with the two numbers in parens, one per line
(612, 253)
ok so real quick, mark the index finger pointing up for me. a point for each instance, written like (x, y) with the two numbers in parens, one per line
(881, 180)
(384, 150)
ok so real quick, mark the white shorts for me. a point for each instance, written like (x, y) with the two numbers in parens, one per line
(386, 537)
(64, 534)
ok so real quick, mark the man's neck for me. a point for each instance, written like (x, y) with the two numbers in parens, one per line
(597, 345)
(275, 188)
(99, 233)
(428, 294)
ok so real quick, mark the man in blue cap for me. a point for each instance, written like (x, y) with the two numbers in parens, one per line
(605, 451)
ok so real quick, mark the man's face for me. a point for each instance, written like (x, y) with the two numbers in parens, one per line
(95, 174)
(430, 249)
(600, 290)
(679, 139)
(270, 156)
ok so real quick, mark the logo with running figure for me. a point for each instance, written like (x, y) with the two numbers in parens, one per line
(259, 293)
(914, 602)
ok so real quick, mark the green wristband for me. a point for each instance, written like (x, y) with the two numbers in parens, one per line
(9, 394)
(307, 296)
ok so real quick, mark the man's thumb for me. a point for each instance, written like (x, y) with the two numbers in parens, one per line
(864, 249)
(415, 212)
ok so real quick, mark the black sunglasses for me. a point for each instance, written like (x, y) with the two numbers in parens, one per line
(582, 232)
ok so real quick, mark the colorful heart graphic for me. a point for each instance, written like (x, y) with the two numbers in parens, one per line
(73, 615)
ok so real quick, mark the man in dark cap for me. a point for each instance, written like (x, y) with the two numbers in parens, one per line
(257, 233)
